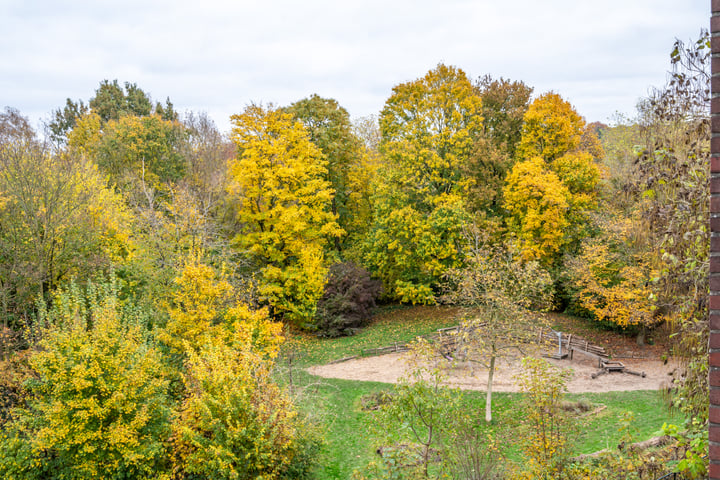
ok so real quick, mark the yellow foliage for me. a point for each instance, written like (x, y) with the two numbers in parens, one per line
(196, 305)
(429, 128)
(85, 137)
(537, 201)
(284, 201)
(252, 329)
(579, 173)
(98, 405)
(361, 175)
(613, 281)
(205, 309)
(235, 423)
(551, 128)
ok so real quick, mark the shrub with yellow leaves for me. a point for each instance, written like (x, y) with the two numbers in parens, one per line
(98, 406)
(235, 423)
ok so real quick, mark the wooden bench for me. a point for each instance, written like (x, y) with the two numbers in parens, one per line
(609, 366)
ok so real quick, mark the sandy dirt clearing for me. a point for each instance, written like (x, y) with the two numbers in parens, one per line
(390, 368)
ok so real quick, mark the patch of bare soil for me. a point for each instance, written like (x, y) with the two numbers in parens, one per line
(648, 358)
(390, 368)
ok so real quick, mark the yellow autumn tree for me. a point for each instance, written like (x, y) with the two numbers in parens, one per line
(234, 421)
(611, 278)
(85, 137)
(429, 128)
(59, 219)
(551, 127)
(283, 209)
(581, 175)
(205, 309)
(361, 180)
(197, 305)
(537, 203)
(551, 149)
(98, 404)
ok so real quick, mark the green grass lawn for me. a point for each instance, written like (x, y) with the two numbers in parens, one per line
(393, 324)
(351, 434)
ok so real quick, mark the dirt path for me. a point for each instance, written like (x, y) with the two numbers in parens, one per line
(389, 368)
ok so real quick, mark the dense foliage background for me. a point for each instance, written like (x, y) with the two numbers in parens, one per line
(149, 263)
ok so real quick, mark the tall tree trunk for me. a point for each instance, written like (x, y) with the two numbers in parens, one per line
(640, 339)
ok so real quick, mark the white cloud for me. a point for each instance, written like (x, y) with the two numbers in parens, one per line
(217, 56)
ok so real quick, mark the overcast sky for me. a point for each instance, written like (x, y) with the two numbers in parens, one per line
(218, 56)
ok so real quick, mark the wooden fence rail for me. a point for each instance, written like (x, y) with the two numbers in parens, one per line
(447, 338)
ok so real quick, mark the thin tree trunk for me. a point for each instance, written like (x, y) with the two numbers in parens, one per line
(426, 452)
(488, 395)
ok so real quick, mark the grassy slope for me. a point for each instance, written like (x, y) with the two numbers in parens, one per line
(393, 324)
(349, 430)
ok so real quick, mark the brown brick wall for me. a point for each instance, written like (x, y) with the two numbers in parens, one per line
(715, 248)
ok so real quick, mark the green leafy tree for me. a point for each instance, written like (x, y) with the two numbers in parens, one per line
(410, 249)
(176, 219)
(166, 112)
(111, 101)
(421, 409)
(331, 131)
(505, 289)
(65, 119)
(429, 127)
(504, 104)
(132, 147)
(58, 217)
(279, 183)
